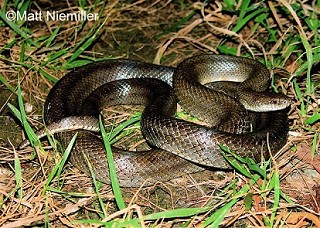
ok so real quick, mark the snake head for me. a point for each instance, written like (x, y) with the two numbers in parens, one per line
(264, 101)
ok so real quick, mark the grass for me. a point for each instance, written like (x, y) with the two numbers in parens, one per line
(112, 167)
(281, 35)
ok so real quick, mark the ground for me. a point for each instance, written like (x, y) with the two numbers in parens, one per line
(35, 53)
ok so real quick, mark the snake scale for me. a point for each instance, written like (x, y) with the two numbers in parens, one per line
(226, 92)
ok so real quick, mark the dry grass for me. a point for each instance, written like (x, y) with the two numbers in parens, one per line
(132, 31)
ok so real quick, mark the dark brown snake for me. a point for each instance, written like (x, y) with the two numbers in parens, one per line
(243, 117)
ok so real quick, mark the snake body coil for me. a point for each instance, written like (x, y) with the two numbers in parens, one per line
(244, 118)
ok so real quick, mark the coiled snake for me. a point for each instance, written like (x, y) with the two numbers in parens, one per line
(240, 114)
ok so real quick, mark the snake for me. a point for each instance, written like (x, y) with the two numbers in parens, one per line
(229, 93)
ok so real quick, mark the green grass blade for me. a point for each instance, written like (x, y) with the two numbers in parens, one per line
(286, 198)
(32, 137)
(58, 168)
(310, 60)
(312, 119)
(17, 29)
(53, 36)
(47, 75)
(275, 181)
(248, 200)
(112, 168)
(242, 22)
(4, 81)
(4, 6)
(89, 41)
(96, 187)
(176, 213)
(118, 129)
(76, 63)
(22, 52)
(18, 174)
(300, 97)
(176, 26)
(314, 144)
(216, 218)
(224, 49)
(34, 140)
(305, 65)
(240, 167)
(9, 45)
(15, 111)
(24, 6)
(54, 55)
(117, 223)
